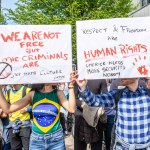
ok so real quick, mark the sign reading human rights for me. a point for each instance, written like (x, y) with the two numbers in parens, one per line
(113, 48)
(35, 53)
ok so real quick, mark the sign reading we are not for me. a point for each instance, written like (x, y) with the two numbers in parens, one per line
(35, 53)
(113, 48)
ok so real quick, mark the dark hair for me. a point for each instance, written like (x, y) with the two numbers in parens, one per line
(54, 87)
(37, 87)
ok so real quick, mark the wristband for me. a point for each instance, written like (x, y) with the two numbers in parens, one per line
(70, 87)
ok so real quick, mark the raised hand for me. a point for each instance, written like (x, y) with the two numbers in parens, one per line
(81, 83)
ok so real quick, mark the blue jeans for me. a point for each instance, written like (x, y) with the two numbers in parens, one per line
(52, 141)
(6, 146)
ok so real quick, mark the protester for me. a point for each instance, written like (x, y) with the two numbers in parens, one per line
(83, 133)
(19, 123)
(116, 83)
(132, 124)
(4, 124)
(46, 129)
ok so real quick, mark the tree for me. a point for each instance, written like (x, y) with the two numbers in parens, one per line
(2, 18)
(67, 12)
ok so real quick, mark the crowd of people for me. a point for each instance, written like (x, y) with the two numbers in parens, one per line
(34, 116)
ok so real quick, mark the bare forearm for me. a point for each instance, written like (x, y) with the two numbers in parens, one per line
(7, 108)
(72, 101)
(3, 103)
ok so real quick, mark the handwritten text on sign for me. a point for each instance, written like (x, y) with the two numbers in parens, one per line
(35, 54)
(113, 48)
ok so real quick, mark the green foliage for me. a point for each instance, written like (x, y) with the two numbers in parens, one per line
(67, 12)
(2, 19)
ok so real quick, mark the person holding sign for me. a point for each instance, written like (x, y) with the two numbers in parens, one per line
(85, 134)
(132, 118)
(47, 132)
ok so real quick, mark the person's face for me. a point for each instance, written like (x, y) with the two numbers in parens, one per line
(48, 84)
(128, 81)
(16, 86)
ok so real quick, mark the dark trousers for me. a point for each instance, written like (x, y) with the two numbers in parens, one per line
(21, 139)
(7, 146)
(108, 130)
(82, 145)
(1, 143)
(63, 121)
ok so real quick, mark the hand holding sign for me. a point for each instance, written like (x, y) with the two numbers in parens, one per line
(81, 83)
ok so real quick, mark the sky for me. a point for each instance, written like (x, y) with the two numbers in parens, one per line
(8, 4)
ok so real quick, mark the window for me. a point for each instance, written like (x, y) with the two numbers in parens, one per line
(145, 2)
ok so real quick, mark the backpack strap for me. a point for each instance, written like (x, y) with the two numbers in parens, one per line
(117, 98)
(24, 91)
(8, 94)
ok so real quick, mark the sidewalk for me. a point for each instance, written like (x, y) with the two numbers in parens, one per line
(69, 141)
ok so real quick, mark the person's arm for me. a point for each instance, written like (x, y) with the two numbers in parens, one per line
(68, 104)
(7, 108)
(104, 100)
(26, 109)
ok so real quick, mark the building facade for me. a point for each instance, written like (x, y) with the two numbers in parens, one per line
(143, 8)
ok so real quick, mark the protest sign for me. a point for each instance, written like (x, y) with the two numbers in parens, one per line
(35, 54)
(113, 48)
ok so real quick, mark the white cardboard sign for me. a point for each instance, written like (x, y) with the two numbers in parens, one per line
(35, 53)
(113, 48)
